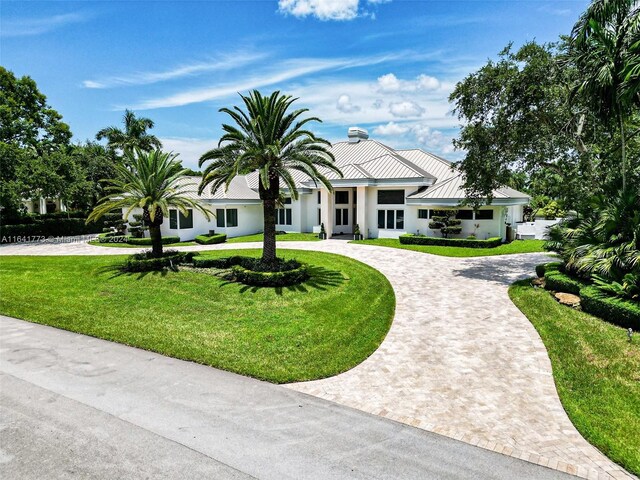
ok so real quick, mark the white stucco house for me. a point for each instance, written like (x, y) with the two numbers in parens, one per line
(386, 192)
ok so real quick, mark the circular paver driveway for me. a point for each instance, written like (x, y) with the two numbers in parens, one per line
(460, 359)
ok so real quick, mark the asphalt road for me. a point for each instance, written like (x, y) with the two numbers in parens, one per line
(75, 407)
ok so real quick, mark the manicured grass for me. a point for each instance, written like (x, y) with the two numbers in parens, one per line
(317, 329)
(128, 245)
(283, 237)
(518, 246)
(596, 370)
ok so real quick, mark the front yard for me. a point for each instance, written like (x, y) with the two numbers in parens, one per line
(317, 329)
(596, 371)
(517, 246)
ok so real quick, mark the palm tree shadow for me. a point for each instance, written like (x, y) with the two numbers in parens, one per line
(116, 270)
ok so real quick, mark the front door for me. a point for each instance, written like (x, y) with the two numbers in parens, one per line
(342, 214)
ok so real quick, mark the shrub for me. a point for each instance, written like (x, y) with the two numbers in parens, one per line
(147, 241)
(211, 239)
(547, 267)
(270, 279)
(410, 239)
(561, 282)
(625, 313)
(49, 227)
(145, 262)
(112, 238)
(445, 221)
(225, 262)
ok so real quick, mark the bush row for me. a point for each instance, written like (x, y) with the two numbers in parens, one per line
(145, 262)
(625, 313)
(270, 279)
(547, 267)
(49, 227)
(411, 239)
(561, 282)
(145, 241)
(211, 239)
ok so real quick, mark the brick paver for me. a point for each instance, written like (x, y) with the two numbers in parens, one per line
(459, 360)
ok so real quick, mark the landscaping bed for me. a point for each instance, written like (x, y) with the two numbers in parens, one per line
(211, 239)
(515, 247)
(319, 328)
(411, 239)
(280, 237)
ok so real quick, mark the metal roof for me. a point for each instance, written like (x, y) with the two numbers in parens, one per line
(451, 188)
(436, 166)
(238, 190)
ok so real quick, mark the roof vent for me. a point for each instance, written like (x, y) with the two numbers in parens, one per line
(356, 134)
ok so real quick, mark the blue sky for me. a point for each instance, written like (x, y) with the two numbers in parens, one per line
(388, 66)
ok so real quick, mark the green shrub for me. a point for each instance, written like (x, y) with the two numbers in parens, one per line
(112, 238)
(211, 239)
(561, 282)
(410, 239)
(145, 262)
(147, 241)
(270, 279)
(48, 227)
(547, 267)
(225, 262)
(625, 313)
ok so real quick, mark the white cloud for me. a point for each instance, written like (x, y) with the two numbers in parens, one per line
(390, 83)
(405, 109)
(223, 63)
(321, 9)
(190, 149)
(345, 106)
(391, 128)
(36, 26)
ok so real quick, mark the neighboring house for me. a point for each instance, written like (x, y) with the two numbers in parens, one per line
(44, 205)
(386, 192)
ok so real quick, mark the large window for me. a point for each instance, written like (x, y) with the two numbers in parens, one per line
(342, 197)
(423, 213)
(342, 216)
(186, 221)
(390, 197)
(484, 215)
(220, 218)
(232, 217)
(283, 216)
(173, 219)
(464, 215)
(391, 219)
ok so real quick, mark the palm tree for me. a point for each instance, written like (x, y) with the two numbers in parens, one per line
(601, 44)
(274, 142)
(150, 181)
(134, 135)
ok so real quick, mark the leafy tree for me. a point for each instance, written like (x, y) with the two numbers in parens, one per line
(97, 162)
(446, 222)
(269, 139)
(153, 182)
(133, 136)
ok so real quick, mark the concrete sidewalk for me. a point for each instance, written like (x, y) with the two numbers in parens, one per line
(77, 407)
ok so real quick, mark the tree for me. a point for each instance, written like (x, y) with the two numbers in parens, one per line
(133, 136)
(153, 182)
(601, 43)
(446, 222)
(274, 142)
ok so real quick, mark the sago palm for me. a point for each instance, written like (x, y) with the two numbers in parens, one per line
(133, 136)
(269, 139)
(151, 181)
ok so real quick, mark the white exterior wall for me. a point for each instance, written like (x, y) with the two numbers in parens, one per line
(310, 211)
(486, 229)
(372, 214)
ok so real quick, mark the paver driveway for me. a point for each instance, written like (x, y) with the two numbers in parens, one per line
(460, 359)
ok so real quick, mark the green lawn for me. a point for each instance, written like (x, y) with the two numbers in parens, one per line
(284, 237)
(518, 246)
(596, 370)
(128, 245)
(323, 327)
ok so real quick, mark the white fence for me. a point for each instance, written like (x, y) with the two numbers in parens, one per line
(534, 230)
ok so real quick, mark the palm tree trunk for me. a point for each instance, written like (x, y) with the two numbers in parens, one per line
(156, 240)
(269, 242)
(623, 151)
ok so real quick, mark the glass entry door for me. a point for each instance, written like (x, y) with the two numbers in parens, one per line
(342, 218)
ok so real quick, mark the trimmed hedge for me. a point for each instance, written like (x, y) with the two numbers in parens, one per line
(144, 262)
(270, 279)
(146, 241)
(411, 239)
(225, 262)
(625, 313)
(211, 239)
(561, 282)
(547, 267)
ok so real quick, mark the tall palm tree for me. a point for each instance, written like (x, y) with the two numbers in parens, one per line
(153, 182)
(601, 44)
(133, 136)
(273, 141)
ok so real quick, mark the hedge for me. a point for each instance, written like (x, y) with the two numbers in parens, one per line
(270, 279)
(410, 239)
(225, 262)
(211, 239)
(112, 238)
(547, 267)
(147, 241)
(625, 313)
(144, 262)
(561, 282)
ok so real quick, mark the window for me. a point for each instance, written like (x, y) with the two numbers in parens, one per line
(391, 219)
(423, 213)
(484, 215)
(464, 215)
(173, 219)
(220, 217)
(283, 216)
(287, 201)
(232, 217)
(186, 221)
(342, 216)
(342, 197)
(390, 197)
(319, 216)
(319, 197)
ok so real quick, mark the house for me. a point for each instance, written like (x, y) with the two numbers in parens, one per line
(386, 192)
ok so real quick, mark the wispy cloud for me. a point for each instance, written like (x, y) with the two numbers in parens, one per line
(281, 72)
(555, 11)
(224, 63)
(340, 10)
(22, 27)
(190, 149)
